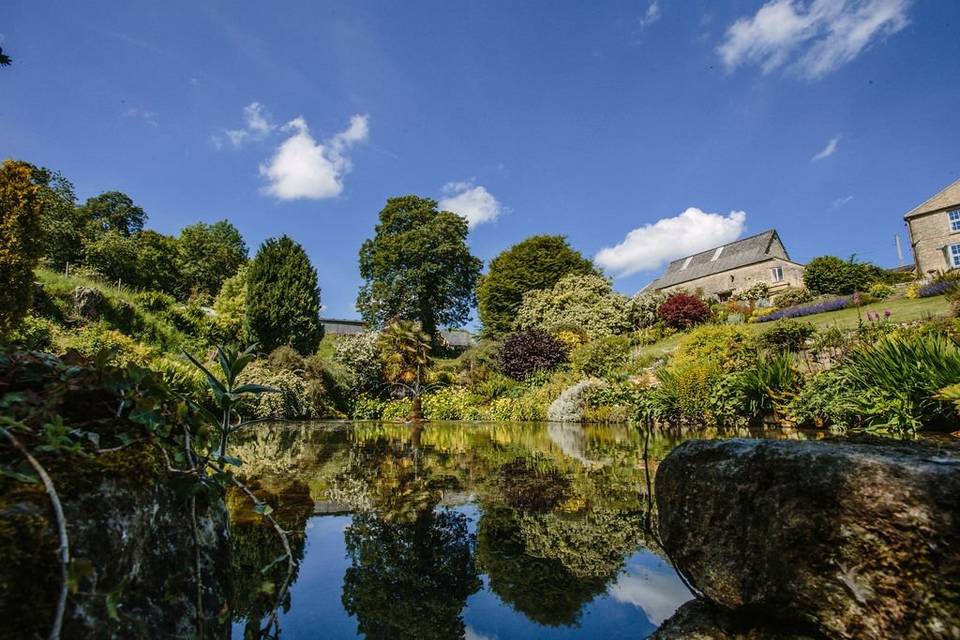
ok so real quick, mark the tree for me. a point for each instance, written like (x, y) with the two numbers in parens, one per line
(831, 275)
(588, 302)
(536, 263)
(682, 311)
(21, 245)
(283, 299)
(230, 305)
(157, 266)
(65, 227)
(418, 267)
(113, 256)
(114, 211)
(209, 254)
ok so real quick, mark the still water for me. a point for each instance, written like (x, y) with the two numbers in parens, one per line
(453, 530)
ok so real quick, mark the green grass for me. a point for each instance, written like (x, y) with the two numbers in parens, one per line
(901, 310)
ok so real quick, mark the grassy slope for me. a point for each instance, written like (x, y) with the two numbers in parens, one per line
(144, 325)
(901, 310)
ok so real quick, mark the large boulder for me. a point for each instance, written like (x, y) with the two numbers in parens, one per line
(87, 303)
(850, 540)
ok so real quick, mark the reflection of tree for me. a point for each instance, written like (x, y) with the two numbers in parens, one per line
(591, 545)
(543, 589)
(409, 579)
(257, 560)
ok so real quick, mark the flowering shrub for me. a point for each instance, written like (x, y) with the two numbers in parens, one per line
(644, 308)
(526, 352)
(834, 304)
(759, 291)
(880, 290)
(937, 288)
(682, 311)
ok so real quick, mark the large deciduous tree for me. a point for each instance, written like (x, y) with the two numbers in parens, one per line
(65, 226)
(283, 299)
(21, 214)
(114, 211)
(209, 254)
(536, 263)
(418, 267)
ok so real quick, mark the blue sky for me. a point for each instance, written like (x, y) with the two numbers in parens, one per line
(686, 123)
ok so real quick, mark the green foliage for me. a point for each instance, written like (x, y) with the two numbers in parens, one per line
(367, 408)
(729, 346)
(417, 267)
(898, 380)
(113, 255)
(768, 385)
(21, 244)
(292, 402)
(682, 311)
(535, 263)
(283, 299)
(603, 357)
(65, 228)
(526, 352)
(831, 275)
(685, 392)
(787, 335)
(826, 400)
(208, 254)
(230, 306)
(33, 334)
(405, 353)
(645, 307)
(792, 297)
(114, 211)
(588, 302)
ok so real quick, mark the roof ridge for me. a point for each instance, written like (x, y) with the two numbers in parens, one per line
(920, 207)
(737, 241)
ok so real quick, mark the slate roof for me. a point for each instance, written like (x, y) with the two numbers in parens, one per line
(741, 253)
(946, 198)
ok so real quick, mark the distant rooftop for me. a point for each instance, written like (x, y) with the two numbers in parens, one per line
(736, 254)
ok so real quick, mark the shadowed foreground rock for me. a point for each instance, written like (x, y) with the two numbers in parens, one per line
(702, 620)
(848, 540)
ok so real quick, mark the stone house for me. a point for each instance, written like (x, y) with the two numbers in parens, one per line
(934, 228)
(737, 266)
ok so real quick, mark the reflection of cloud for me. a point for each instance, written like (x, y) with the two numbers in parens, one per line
(470, 634)
(658, 594)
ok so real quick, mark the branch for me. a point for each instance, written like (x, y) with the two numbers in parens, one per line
(64, 551)
(286, 548)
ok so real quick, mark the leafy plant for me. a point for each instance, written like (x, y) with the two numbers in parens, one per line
(601, 358)
(769, 384)
(792, 297)
(832, 275)
(644, 308)
(526, 352)
(682, 311)
(787, 335)
(586, 301)
(880, 290)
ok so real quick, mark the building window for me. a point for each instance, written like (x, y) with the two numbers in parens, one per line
(954, 220)
(955, 255)
(777, 273)
(686, 263)
(716, 254)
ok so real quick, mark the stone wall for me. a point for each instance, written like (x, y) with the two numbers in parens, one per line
(929, 234)
(744, 278)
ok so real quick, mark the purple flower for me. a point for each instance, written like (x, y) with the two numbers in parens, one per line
(886, 313)
(856, 298)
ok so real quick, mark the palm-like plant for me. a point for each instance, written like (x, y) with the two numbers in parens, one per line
(405, 352)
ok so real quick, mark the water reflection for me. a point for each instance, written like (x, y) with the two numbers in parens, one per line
(455, 531)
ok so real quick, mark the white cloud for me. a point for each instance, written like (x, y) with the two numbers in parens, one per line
(841, 201)
(301, 167)
(813, 38)
(473, 202)
(652, 14)
(150, 117)
(658, 594)
(652, 245)
(828, 150)
(257, 125)
(470, 634)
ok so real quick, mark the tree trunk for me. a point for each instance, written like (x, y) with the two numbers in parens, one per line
(416, 411)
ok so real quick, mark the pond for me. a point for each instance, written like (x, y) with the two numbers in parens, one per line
(455, 530)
